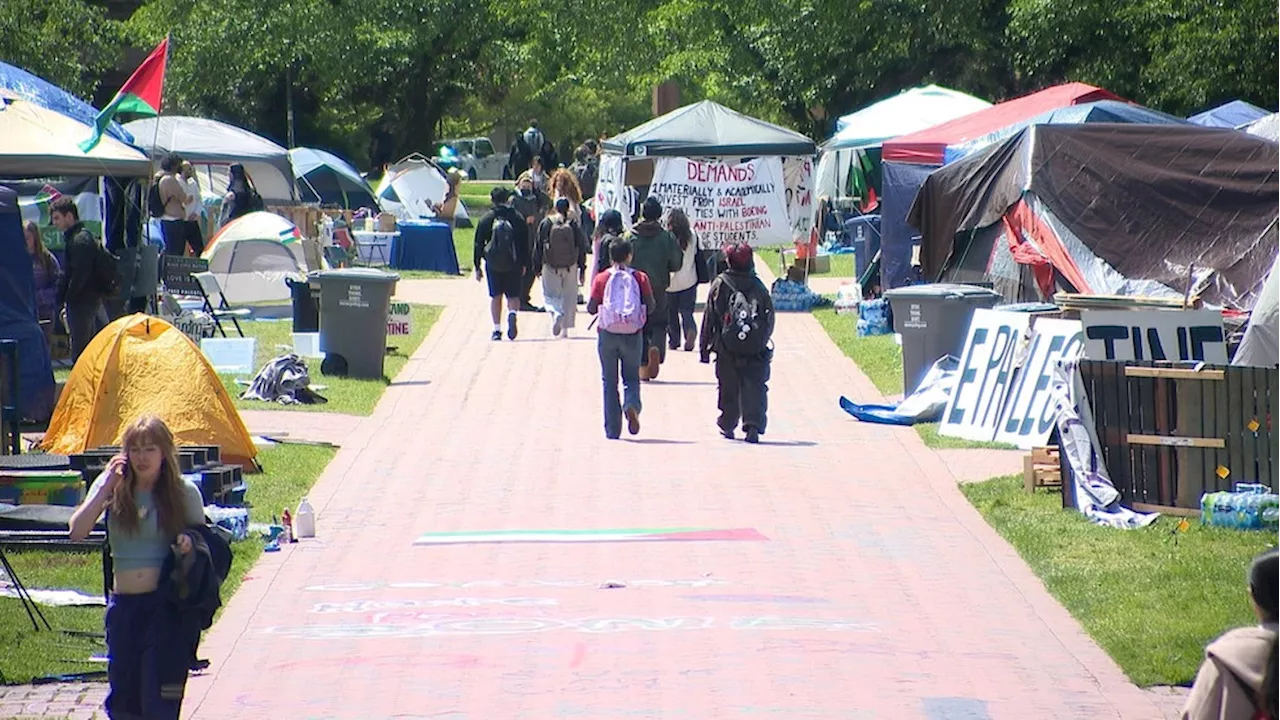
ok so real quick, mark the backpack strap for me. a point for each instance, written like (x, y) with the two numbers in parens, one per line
(1251, 693)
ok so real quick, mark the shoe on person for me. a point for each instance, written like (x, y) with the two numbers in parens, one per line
(752, 435)
(496, 336)
(511, 326)
(690, 339)
(555, 327)
(727, 434)
(644, 372)
(633, 421)
(655, 358)
(673, 346)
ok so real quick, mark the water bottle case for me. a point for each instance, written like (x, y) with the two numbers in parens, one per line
(1251, 506)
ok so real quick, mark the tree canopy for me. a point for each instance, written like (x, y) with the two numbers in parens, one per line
(377, 79)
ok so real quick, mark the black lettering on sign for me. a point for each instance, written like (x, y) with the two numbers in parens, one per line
(968, 373)
(1005, 344)
(1202, 334)
(1109, 334)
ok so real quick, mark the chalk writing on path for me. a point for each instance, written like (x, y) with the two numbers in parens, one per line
(411, 625)
(365, 606)
(501, 584)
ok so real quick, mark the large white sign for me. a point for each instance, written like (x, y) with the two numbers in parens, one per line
(798, 172)
(743, 202)
(1029, 411)
(1174, 335)
(612, 193)
(986, 373)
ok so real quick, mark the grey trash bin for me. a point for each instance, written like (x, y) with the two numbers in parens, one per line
(933, 321)
(353, 320)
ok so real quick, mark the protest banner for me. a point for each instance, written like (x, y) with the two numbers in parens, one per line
(1029, 412)
(798, 172)
(727, 203)
(399, 319)
(1157, 335)
(612, 193)
(986, 373)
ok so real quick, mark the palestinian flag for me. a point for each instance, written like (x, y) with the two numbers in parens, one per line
(140, 95)
(290, 234)
(860, 180)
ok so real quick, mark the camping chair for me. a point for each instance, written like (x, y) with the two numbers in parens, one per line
(209, 287)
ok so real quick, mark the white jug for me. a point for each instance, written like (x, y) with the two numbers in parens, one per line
(304, 521)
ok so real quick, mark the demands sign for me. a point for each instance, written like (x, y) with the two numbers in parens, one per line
(399, 319)
(1182, 335)
(1003, 393)
(744, 202)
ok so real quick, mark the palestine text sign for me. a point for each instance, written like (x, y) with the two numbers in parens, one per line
(1173, 335)
(727, 203)
(986, 373)
(399, 320)
(1029, 413)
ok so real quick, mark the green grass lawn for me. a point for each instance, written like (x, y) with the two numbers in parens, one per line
(346, 395)
(1152, 598)
(880, 358)
(290, 470)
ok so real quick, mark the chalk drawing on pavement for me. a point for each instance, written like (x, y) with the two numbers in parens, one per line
(506, 584)
(589, 536)
(762, 599)
(410, 625)
(368, 606)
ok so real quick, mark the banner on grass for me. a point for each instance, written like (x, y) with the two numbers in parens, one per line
(726, 204)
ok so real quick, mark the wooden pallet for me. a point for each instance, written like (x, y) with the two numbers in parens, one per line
(1041, 468)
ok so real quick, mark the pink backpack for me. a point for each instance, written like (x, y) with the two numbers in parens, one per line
(622, 311)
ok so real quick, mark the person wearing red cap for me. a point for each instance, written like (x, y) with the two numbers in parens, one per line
(737, 326)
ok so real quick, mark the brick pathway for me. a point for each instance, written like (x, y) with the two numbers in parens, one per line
(878, 593)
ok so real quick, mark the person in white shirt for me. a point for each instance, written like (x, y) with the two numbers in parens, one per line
(193, 207)
(682, 293)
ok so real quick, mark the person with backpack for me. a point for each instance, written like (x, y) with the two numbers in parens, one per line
(1239, 675)
(149, 506)
(533, 205)
(621, 299)
(682, 293)
(737, 326)
(173, 196)
(90, 276)
(657, 254)
(560, 249)
(502, 244)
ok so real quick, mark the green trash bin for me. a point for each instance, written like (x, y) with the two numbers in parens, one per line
(353, 320)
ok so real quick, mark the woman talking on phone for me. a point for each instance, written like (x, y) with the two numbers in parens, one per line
(148, 506)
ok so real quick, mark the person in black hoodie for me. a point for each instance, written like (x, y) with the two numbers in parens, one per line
(81, 288)
(502, 242)
(738, 326)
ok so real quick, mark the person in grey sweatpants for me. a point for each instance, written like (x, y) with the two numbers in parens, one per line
(80, 288)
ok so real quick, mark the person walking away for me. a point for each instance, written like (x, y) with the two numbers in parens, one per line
(533, 205)
(174, 196)
(192, 208)
(149, 505)
(621, 298)
(1239, 675)
(657, 255)
(561, 248)
(564, 184)
(682, 293)
(502, 245)
(48, 274)
(586, 169)
(738, 326)
(609, 225)
(242, 197)
(89, 278)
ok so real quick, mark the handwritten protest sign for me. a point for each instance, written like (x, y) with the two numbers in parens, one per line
(612, 192)
(727, 203)
(399, 319)
(1183, 335)
(798, 172)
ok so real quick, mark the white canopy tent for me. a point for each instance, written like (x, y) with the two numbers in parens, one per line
(35, 142)
(213, 147)
(907, 112)
(413, 188)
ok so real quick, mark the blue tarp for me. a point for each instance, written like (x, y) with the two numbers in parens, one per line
(47, 95)
(18, 313)
(1231, 115)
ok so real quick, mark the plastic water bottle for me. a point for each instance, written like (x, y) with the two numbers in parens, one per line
(305, 520)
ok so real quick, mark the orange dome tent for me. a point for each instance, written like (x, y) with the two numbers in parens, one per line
(142, 364)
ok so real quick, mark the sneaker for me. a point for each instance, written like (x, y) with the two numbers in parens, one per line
(655, 357)
(511, 326)
(496, 336)
(633, 421)
(727, 434)
(690, 339)
(555, 327)
(753, 435)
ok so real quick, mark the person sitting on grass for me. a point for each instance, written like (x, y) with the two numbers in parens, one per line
(1239, 674)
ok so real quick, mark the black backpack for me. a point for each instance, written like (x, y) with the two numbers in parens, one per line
(746, 320)
(106, 277)
(155, 203)
(500, 252)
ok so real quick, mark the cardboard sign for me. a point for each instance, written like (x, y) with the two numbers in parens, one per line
(1030, 412)
(986, 373)
(727, 203)
(1173, 335)
(399, 319)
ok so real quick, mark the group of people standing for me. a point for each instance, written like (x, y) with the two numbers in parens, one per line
(643, 290)
(176, 201)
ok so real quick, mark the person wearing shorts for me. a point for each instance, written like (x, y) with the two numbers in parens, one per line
(505, 282)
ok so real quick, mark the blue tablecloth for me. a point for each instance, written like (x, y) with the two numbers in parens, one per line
(424, 246)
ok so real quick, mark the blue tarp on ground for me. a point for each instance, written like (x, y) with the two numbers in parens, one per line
(1231, 115)
(18, 313)
(47, 95)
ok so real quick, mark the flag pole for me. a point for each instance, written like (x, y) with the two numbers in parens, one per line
(155, 138)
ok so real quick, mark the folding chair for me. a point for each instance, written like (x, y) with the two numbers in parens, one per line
(209, 287)
(376, 244)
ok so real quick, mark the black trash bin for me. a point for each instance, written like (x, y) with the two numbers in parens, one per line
(933, 321)
(306, 306)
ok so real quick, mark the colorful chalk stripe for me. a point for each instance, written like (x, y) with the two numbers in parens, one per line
(589, 536)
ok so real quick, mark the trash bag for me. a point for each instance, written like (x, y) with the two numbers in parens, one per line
(285, 380)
